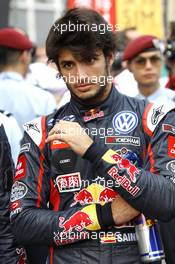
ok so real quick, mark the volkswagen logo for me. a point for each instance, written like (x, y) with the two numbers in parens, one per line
(125, 121)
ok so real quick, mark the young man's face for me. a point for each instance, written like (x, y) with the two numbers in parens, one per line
(86, 80)
(146, 68)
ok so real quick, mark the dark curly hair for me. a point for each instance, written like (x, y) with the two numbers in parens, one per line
(83, 31)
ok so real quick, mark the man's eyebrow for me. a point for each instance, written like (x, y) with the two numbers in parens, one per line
(142, 57)
(65, 61)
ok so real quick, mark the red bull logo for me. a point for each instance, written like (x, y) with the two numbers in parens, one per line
(94, 193)
(107, 195)
(77, 221)
(123, 181)
(83, 197)
(127, 165)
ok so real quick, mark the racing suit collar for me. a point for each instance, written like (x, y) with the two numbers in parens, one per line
(101, 109)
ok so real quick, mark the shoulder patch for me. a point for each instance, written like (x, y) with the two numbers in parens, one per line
(36, 129)
(153, 114)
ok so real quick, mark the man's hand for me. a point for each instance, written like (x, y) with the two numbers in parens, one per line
(71, 133)
(122, 212)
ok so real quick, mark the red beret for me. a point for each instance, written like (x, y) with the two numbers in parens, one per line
(139, 45)
(12, 38)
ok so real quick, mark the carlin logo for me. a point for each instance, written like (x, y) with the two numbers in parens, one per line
(156, 114)
(171, 166)
(125, 121)
(19, 190)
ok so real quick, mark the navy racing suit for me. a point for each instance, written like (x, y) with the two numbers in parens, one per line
(59, 193)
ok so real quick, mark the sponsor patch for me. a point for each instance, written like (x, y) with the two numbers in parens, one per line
(157, 112)
(70, 237)
(135, 141)
(168, 128)
(57, 144)
(70, 118)
(15, 205)
(92, 114)
(19, 190)
(171, 166)
(124, 122)
(171, 146)
(108, 239)
(69, 182)
(123, 181)
(118, 237)
(32, 126)
(25, 148)
(15, 211)
(20, 168)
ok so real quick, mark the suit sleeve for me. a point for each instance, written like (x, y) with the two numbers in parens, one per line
(7, 244)
(151, 190)
(32, 221)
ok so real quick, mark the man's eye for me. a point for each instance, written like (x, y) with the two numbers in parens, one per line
(90, 60)
(68, 65)
(140, 61)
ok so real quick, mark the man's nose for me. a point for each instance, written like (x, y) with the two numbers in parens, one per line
(82, 73)
(148, 63)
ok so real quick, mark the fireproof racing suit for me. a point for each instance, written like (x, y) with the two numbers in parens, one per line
(10, 253)
(59, 198)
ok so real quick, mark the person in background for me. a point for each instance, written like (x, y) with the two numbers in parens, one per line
(170, 56)
(13, 133)
(123, 78)
(10, 252)
(144, 60)
(18, 97)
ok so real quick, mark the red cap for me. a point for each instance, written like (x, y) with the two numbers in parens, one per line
(12, 38)
(139, 45)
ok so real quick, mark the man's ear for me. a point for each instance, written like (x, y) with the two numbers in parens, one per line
(24, 57)
(128, 65)
(111, 58)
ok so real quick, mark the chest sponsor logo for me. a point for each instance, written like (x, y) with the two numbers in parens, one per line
(157, 112)
(19, 190)
(25, 148)
(171, 166)
(171, 146)
(20, 168)
(93, 114)
(69, 182)
(57, 144)
(125, 122)
(168, 128)
(135, 141)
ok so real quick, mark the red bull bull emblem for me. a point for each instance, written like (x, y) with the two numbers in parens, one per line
(131, 169)
(94, 193)
(77, 221)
